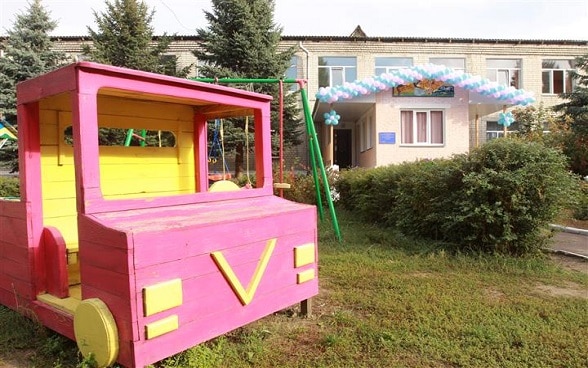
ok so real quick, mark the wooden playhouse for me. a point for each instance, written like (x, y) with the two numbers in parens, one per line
(125, 249)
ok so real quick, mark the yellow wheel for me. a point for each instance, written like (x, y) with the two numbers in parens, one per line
(96, 332)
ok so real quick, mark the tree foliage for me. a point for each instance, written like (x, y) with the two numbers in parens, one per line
(28, 52)
(125, 38)
(242, 41)
(575, 108)
(576, 101)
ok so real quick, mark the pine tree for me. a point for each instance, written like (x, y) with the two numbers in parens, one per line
(125, 38)
(242, 42)
(575, 108)
(28, 52)
(576, 105)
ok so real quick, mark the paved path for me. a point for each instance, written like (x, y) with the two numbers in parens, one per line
(570, 241)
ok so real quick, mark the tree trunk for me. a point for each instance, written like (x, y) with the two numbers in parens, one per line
(238, 159)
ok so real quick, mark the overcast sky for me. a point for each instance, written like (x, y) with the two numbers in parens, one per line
(514, 19)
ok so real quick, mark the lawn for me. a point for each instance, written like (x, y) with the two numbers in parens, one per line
(386, 301)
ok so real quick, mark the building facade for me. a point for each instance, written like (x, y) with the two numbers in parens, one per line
(466, 120)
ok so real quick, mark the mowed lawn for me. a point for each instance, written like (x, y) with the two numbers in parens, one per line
(389, 301)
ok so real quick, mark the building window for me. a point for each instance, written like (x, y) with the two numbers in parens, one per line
(365, 134)
(292, 73)
(556, 76)
(168, 64)
(422, 127)
(387, 64)
(336, 70)
(453, 63)
(495, 130)
(504, 71)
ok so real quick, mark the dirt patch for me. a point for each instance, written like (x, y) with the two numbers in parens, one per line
(570, 262)
(569, 290)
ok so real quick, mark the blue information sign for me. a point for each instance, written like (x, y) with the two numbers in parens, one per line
(387, 138)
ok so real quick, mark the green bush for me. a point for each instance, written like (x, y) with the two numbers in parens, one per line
(9, 187)
(580, 210)
(497, 199)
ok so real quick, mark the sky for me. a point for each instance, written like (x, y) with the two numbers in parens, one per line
(486, 19)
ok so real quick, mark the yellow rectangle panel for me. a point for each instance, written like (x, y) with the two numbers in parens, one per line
(162, 326)
(304, 255)
(305, 276)
(162, 296)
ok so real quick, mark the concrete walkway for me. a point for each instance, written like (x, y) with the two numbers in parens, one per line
(570, 241)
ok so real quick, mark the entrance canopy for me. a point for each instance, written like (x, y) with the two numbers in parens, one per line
(486, 92)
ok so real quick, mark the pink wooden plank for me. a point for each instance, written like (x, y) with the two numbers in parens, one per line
(12, 209)
(89, 229)
(101, 278)
(161, 247)
(13, 252)
(191, 334)
(121, 308)
(105, 256)
(14, 232)
(17, 289)
(17, 270)
(48, 84)
(53, 318)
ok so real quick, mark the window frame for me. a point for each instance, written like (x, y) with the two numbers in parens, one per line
(382, 63)
(565, 77)
(428, 142)
(511, 71)
(338, 66)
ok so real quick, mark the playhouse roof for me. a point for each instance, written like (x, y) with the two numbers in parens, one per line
(496, 91)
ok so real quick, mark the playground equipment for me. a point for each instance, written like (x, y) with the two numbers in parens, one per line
(316, 160)
(7, 132)
(125, 249)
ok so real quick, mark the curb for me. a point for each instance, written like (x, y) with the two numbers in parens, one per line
(572, 230)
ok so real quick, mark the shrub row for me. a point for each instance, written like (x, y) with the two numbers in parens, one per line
(498, 198)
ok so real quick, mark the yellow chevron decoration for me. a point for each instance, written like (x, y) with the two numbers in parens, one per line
(244, 295)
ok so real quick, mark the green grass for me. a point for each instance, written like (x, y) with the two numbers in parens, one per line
(388, 301)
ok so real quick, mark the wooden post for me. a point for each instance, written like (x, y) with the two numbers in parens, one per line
(504, 126)
(476, 130)
(306, 308)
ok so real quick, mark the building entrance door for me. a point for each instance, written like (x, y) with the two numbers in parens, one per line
(342, 148)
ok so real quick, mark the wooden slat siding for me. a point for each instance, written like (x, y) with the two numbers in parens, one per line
(196, 261)
(53, 318)
(191, 334)
(17, 270)
(183, 216)
(119, 295)
(16, 289)
(208, 239)
(211, 294)
(18, 253)
(13, 230)
(120, 309)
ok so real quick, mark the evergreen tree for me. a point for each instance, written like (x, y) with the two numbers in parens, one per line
(125, 38)
(242, 42)
(28, 52)
(575, 107)
(576, 104)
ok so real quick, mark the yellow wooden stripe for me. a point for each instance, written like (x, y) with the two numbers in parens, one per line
(162, 296)
(304, 255)
(305, 276)
(162, 326)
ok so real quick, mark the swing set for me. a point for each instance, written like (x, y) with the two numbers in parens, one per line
(316, 161)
